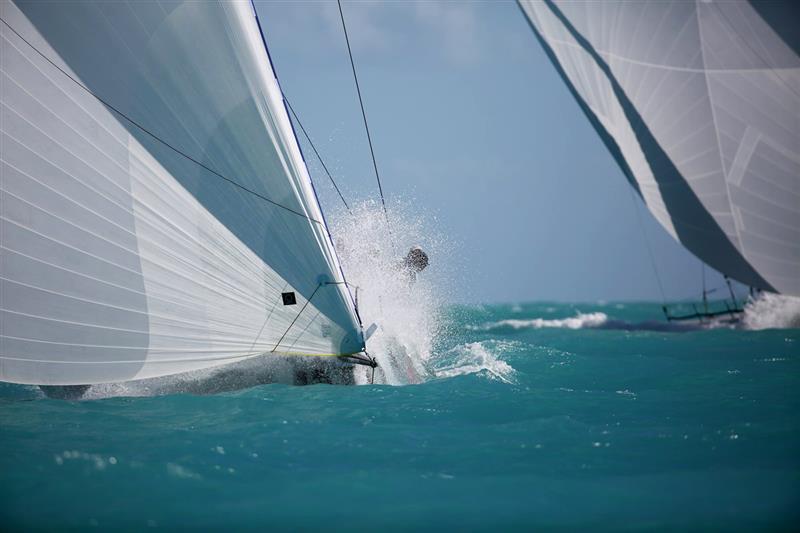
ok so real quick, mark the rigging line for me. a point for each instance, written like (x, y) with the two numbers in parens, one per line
(296, 317)
(308, 301)
(363, 113)
(286, 106)
(703, 275)
(299, 123)
(647, 245)
(153, 135)
(705, 292)
(274, 305)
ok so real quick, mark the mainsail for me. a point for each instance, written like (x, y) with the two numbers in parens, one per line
(157, 215)
(699, 102)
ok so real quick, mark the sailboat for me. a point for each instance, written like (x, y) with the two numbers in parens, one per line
(157, 213)
(699, 103)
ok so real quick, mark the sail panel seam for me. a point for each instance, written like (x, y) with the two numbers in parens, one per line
(156, 137)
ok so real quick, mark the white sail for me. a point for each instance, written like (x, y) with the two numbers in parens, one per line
(155, 233)
(699, 102)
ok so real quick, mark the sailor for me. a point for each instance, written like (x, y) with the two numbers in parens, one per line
(415, 262)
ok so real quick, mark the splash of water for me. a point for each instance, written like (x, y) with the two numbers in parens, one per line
(482, 358)
(407, 315)
(406, 311)
(769, 311)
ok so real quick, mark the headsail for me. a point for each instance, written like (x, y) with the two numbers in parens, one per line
(699, 102)
(156, 208)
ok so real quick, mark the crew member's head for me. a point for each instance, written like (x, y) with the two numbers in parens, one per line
(416, 259)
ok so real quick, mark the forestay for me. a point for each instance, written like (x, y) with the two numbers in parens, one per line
(155, 234)
(699, 102)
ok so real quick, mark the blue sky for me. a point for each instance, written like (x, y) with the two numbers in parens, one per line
(472, 124)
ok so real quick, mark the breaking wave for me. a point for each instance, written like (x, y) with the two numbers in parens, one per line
(580, 321)
(769, 311)
(481, 358)
(596, 320)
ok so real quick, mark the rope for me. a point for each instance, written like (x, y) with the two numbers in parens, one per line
(272, 310)
(308, 301)
(153, 135)
(703, 275)
(363, 113)
(287, 106)
(296, 317)
(319, 157)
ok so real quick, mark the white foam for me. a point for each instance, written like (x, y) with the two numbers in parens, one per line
(596, 320)
(579, 321)
(769, 311)
(481, 358)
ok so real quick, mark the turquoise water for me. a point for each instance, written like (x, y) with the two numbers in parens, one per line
(615, 424)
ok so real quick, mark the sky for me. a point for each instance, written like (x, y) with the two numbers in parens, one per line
(473, 127)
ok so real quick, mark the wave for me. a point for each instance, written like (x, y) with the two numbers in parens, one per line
(767, 311)
(481, 358)
(596, 320)
(580, 321)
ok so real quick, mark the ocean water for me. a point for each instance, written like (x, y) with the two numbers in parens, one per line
(540, 415)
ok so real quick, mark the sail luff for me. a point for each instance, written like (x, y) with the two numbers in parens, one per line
(329, 246)
(306, 183)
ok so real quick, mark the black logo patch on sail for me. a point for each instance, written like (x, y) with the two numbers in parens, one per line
(288, 298)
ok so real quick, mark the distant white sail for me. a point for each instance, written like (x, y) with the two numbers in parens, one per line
(162, 242)
(699, 102)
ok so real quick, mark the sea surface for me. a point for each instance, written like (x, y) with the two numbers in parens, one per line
(546, 416)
